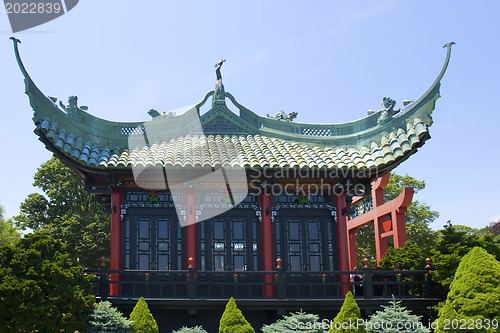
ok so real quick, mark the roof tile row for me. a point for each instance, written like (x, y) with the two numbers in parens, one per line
(243, 151)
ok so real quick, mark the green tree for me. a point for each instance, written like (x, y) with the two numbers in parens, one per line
(494, 228)
(233, 321)
(195, 329)
(67, 212)
(295, 322)
(142, 319)
(395, 319)
(8, 233)
(474, 295)
(418, 218)
(348, 317)
(454, 243)
(42, 287)
(409, 257)
(106, 318)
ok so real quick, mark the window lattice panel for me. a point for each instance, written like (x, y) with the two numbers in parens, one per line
(317, 131)
(132, 130)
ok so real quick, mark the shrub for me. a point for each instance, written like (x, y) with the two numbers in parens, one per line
(410, 257)
(143, 320)
(196, 329)
(394, 319)
(349, 313)
(105, 318)
(233, 321)
(474, 295)
(295, 322)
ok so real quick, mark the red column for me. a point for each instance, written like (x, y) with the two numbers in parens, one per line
(190, 227)
(267, 239)
(378, 187)
(342, 242)
(399, 228)
(116, 236)
(380, 243)
(353, 256)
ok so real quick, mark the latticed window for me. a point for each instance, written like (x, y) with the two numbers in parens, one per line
(132, 130)
(317, 131)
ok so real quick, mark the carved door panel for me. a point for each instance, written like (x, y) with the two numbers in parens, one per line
(304, 240)
(152, 241)
(229, 242)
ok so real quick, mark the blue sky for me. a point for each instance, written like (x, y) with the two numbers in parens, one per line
(330, 61)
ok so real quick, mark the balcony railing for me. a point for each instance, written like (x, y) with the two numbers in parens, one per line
(278, 284)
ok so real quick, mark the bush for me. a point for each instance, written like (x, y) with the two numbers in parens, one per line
(295, 322)
(349, 313)
(233, 321)
(410, 257)
(142, 319)
(474, 294)
(196, 329)
(105, 318)
(394, 319)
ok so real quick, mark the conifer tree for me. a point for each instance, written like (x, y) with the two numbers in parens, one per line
(348, 317)
(296, 322)
(394, 319)
(474, 296)
(143, 320)
(233, 321)
(185, 329)
(105, 318)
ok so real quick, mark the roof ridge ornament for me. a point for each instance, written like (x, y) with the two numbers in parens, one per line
(18, 57)
(219, 96)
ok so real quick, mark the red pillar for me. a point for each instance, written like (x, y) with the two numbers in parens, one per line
(342, 242)
(116, 203)
(378, 187)
(399, 228)
(267, 239)
(190, 227)
(353, 256)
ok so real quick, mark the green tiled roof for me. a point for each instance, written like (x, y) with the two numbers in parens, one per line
(239, 150)
(226, 139)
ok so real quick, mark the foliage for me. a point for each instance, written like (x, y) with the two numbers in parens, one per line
(475, 291)
(8, 233)
(453, 244)
(233, 321)
(67, 212)
(42, 287)
(143, 320)
(418, 218)
(409, 257)
(348, 315)
(295, 322)
(394, 319)
(185, 329)
(494, 228)
(105, 318)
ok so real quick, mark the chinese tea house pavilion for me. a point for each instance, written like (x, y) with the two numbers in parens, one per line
(154, 228)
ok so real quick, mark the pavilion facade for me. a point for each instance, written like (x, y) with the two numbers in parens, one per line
(183, 222)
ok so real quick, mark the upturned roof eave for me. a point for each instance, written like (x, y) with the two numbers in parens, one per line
(75, 133)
